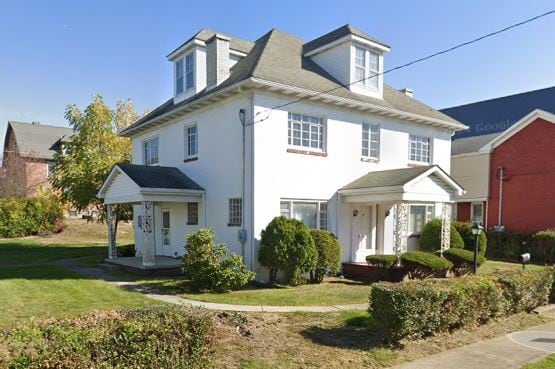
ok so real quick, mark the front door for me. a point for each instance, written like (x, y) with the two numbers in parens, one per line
(362, 232)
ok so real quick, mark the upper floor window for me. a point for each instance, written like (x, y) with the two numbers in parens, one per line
(371, 141)
(306, 131)
(179, 76)
(184, 73)
(191, 141)
(189, 71)
(419, 149)
(150, 151)
(235, 212)
(367, 64)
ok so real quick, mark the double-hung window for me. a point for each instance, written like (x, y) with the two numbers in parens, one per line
(235, 212)
(150, 151)
(371, 141)
(192, 213)
(191, 141)
(367, 68)
(166, 233)
(419, 149)
(418, 216)
(477, 212)
(189, 71)
(305, 131)
(312, 213)
(179, 76)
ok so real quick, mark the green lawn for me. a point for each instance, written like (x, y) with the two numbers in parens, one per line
(547, 363)
(491, 266)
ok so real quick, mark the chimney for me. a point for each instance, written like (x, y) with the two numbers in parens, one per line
(217, 60)
(407, 91)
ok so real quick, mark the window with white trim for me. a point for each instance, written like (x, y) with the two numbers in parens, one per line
(312, 213)
(179, 76)
(370, 141)
(191, 141)
(166, 232)
(235, 212)
(367, 64)
(305, 131)
(477, 212)
(192, 213)
(418, 216)
(419, 149)
(150, 151)
(189, 71)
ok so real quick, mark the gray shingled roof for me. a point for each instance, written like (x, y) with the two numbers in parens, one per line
(206, 34)
(336, 35)
(277, 57)
(146, 176)
(38, 140)
(472, 144)
(386, 178)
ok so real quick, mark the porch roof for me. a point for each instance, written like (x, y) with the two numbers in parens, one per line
(131, 183)
(426, 184)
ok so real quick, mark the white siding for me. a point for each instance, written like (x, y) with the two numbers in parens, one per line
(336, 61)
(121, 186)
(472, 173)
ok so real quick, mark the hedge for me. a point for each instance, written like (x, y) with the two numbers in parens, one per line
(383, 261)
(420, 265)
(430, 238)
(463, 260)
(25, 217)
(158, 337)
(416, 309)
(465, 230)
(508, 246)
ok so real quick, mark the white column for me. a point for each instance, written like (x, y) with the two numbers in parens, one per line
(110, 220)
(400, 228)
(445, 226)
(149, 251)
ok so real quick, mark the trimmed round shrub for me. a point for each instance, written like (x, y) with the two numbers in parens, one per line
(463, 260)
(329, 254)
(383, 261)
(420, 265)
(286, 245)
(465, 230)
(430, 238)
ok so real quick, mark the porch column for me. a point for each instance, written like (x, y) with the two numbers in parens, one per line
(110, 220)
(400, 228)
(149, 251)
(445, 226)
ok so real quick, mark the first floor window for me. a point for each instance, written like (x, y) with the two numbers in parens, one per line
(419, 149)
(166, 237)
(314, 214)
(371, 141)
(235, 212)
(418, 216)
(305, 131)
(150, 151)
(192, 213)
(477, 213)
(191, 141)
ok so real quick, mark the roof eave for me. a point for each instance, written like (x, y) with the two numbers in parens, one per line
(347, 38)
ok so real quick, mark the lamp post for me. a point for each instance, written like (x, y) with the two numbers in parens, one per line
(476, 230)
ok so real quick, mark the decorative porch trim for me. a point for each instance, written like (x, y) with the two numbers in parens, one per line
(110, 219)
(149, 251)
(400, 228)
(445, 226)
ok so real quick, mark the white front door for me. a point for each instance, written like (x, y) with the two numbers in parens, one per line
(363, 242)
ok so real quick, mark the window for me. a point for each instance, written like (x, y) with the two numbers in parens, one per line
(150, 151)
(189, 71)
(312, 213)
(418, 216)
(166, 237)
(367, 64)
(477, 213)
(306, 131)
(191, 141)
(419, 149)
(179, 76)
(235, 212)
(192, 213)
(370, 141)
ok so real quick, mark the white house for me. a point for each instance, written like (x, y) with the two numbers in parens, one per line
(281, 126)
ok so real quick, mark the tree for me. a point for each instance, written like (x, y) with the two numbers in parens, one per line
(88, 157)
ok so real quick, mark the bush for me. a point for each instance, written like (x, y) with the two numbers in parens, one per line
(416, 309)
(508, 246)
(126, 251)
(420, 265)
(286, 245)
(463, 260)
(430, 238)
(465, 230)
(159, 337)
(382, 261)
(210, 267)
(25, 217)
(329, 254)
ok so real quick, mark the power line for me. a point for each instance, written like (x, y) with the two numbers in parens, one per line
(419, 60)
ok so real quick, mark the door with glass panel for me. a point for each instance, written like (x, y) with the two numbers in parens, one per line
(363, 242)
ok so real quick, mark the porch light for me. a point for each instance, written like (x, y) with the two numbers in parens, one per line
(355, 212)
(242, 116)
(476, 230)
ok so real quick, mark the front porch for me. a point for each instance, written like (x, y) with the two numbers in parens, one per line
(163, 265)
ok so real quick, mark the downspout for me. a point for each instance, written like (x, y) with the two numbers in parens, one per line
(500, 211)
(252, 183)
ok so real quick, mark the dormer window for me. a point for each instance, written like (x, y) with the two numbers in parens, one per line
(367, 64)
(179, 76)
(184, 73)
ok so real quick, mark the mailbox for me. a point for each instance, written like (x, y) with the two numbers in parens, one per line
(525, 257)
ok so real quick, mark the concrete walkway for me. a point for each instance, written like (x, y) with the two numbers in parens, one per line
(508, 352)
(99, 273)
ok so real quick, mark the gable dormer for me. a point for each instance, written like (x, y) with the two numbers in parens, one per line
(352, 57)
(205, 61)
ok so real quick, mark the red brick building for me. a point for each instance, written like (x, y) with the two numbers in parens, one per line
(27, 159)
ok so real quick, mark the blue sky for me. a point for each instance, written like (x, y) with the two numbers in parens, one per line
(53, 53)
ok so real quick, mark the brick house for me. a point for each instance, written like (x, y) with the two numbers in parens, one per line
(28, 153)
(509, 171)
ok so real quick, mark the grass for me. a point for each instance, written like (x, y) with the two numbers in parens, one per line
(547, 363)
(490, 267)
